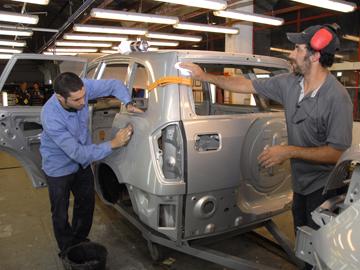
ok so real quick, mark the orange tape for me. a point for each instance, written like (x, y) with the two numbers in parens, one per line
(169, 80)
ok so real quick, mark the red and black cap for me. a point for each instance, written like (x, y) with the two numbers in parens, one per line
(320, 38)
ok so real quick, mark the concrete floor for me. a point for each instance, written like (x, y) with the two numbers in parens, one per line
(27, 241)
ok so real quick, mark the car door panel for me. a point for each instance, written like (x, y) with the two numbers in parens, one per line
(20, 126)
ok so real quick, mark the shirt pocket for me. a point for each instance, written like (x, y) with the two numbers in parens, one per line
(317, 127)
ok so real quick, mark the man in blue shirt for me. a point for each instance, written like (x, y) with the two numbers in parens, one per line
(67, 151)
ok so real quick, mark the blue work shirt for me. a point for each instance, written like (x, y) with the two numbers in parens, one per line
(65, 140)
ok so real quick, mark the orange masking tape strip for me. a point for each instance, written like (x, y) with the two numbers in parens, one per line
(169, 80)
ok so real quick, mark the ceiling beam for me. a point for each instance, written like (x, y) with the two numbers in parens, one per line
(69, 21)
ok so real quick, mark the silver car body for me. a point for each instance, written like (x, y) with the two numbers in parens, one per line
(184, 175)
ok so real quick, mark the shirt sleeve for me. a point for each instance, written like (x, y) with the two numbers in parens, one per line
(340, 123)
(82, 154)
(104, 88)
(272, 88)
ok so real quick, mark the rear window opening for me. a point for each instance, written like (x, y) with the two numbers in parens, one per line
(210, 99)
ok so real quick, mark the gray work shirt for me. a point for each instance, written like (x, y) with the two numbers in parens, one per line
(317, 120)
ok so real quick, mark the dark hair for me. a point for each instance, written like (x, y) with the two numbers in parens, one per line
(326, 59)
(67, 82)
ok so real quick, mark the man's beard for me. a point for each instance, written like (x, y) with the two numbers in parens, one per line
(297, 69)
(70, 109)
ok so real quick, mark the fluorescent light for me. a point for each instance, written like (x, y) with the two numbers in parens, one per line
(132, 16)
(173, 36)
(109, 51)
(289, 51)
(75, 50)
(4, 94)
(162, 43)
(39, 2)
(352, 38)
(262, 76)
(6, 16)
(12, 43)
(60, 53)
(153, 49)
(83, 44)
(94, 37)
(9, 50)
(248, 16)
(14, 32)
(109, 29)
(208, 4)
(206, 28)
(279, 50)
(337, 5)
(5, 56)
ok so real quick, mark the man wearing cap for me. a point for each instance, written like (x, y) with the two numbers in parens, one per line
(318, 113)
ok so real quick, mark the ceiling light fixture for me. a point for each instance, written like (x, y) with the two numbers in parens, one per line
(248, 16)
(132, 16)
(109, 29)
(76, 50)
(38, 2)
(94, 37)
(352, 38)
(60, 53)
(208, 4)
(289, 51)
(173, 36)
(338, 5)
(163, 43)
(12, 43)
(109, 51)
(14, 32)
(82, 44)
(6, 16)
(206, 28)
(157, 43)
(279, 50)
(9, 50)
(5, 56)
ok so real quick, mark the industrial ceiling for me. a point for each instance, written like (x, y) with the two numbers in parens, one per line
(59, 17)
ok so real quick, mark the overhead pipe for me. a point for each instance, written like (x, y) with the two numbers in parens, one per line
(70, 21)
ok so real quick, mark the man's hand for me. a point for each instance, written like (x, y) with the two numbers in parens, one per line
(274, 155)
(196, 72)
(122, 137)
(132, 109)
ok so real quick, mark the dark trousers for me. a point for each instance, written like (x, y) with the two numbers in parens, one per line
(81, 184)
(303, 205)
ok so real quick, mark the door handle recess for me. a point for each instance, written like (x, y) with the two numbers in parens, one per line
(207, 142)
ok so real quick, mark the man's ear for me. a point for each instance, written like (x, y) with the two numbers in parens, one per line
(315, 56)
(60, 97)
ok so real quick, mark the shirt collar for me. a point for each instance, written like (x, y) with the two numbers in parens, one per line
(302, 93)
(61, 108)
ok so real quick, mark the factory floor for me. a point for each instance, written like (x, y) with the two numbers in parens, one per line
(27, 241)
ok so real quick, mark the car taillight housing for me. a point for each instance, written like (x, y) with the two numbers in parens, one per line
(169, 148)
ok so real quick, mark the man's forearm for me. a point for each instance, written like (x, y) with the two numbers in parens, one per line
(237, 84)
(322, 154)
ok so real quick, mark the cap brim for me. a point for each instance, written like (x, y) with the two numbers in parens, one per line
(296, 38)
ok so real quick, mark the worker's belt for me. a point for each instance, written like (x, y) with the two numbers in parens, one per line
(169, 80)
